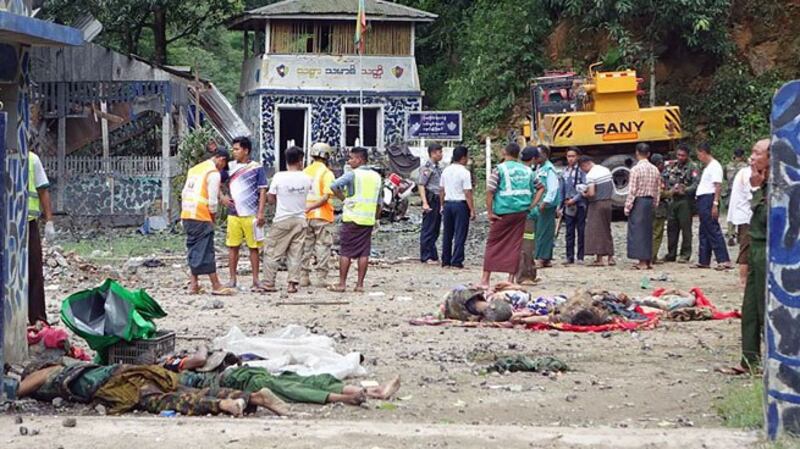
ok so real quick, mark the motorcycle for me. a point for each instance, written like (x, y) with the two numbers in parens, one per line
(394, 197)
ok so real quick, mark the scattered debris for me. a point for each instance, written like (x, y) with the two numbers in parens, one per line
(69, 422)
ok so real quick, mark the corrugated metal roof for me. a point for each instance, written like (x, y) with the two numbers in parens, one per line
(221, 114)
(375, 10)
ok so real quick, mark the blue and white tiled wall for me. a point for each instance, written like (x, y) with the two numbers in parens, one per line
(15, 240)
(782, 376)
(326, 117)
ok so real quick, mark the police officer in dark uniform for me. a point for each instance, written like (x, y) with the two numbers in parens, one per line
(429, 186)
(682, 179)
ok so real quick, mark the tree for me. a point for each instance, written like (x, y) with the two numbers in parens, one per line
(643, 29)
(501, 49)
(133, 26)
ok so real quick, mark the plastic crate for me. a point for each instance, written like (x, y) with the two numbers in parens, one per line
(142, 352)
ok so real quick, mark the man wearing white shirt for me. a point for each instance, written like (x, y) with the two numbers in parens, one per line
(739, 213)
(457, 208)
(707, 200)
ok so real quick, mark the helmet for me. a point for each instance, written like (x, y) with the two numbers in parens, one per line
(321, 149)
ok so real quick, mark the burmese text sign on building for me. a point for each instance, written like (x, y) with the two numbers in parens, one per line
(434, 125)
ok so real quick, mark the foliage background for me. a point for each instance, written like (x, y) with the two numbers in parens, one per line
(480, 55)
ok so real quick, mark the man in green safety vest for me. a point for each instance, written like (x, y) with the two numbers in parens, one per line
(509, 196)
(38, 208)
(360, 190)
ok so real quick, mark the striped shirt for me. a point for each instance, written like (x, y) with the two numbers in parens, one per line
(644, 181)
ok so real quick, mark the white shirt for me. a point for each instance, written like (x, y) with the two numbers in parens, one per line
(739, 209)
(39, 176)
(455, 180)
(291, 189)
(603, 182)
(712, 174)
(212, 187)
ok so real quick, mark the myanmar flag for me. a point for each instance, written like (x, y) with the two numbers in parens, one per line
(361, 27)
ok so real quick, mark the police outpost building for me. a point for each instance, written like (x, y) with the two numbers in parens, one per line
(304, 81)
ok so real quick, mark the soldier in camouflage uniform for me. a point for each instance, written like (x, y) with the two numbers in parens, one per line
(662, 211)
(682, 179)
(731, 169)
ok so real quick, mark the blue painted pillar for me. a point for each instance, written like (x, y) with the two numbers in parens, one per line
(782, 327)
(3, 270)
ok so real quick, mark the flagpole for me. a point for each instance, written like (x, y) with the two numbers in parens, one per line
(360, 99)
(360, 46)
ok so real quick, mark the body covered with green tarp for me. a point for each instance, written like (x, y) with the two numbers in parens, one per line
(109, 313)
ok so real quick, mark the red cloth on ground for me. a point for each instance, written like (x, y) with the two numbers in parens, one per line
(55, 338)
(703, 301)
(618, 324)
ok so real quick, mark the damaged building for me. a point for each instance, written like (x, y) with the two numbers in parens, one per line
(108, 126)
(303, 80)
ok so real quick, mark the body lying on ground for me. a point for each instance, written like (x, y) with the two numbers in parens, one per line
(151, 388)
(510, 302)
(220, 369)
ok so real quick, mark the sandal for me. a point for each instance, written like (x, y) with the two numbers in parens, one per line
(198, 291)
(700, 266)
(724, 267)
(612, 262)
(268, 288)
(636, 267)
(596, 264)
(224, 291)
(336, 289)
(257, 288)
(359, 289)
(291, 289)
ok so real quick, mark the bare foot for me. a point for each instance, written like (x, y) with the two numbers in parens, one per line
(385, 391)
(233, 407)
(267, 399)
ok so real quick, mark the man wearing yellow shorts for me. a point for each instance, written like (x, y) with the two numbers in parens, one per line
(247, 183)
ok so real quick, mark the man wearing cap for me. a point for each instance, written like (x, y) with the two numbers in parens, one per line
(429, 185)
(319, 213)
(199, 201)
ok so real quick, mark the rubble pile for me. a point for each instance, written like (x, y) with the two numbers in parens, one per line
(60, 266)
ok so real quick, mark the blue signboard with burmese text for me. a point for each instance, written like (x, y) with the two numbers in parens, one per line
(434, 125)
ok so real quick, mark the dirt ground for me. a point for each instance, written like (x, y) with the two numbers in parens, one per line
(643, 384)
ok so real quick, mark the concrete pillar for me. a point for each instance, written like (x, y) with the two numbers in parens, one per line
(106, 152)
(3, 119)
(62, 163)
(166, 188)
(782, 358)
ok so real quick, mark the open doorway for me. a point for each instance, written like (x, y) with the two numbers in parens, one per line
(371, 123)
(292, 126)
